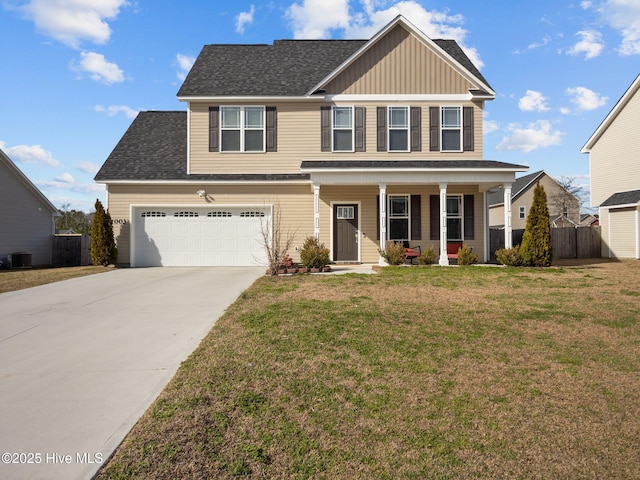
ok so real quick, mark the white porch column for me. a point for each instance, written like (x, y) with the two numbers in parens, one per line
(444, 260)
(508, 236)
(316, 211)
(383, 220)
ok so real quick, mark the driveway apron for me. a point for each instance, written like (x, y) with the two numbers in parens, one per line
(81, 360)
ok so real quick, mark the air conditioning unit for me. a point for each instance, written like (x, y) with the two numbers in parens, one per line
(20, 260)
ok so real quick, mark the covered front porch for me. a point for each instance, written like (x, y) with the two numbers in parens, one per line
(359, 206)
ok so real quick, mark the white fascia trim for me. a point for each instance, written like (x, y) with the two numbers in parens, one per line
(617, 207)
(204, 182)
(188, 139)
(252, 99)
(411, 169)
(464, 97)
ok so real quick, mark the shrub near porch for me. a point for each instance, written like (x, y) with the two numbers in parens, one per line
(411, 373)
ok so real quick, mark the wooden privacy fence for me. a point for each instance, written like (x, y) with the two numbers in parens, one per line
(566, 242)
(71, 250)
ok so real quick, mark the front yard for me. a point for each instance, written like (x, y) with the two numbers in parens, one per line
(431, 372)
(11, 280)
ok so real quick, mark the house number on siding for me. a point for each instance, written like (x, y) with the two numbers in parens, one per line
(119, 221)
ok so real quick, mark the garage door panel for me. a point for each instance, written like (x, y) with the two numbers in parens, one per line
(178, 236)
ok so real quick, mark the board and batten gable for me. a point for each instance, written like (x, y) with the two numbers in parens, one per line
(614, 155)
(26, 218)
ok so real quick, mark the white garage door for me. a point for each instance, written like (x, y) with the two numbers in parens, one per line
(190, 236)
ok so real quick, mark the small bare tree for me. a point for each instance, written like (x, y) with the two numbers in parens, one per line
(563, 202)
(275, 242)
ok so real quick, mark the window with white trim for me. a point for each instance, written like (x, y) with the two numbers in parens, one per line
(399, 216)
(242, 129)
(345, 213)
(153, 214)
(186, 214)
(342, 125)
(218, 214)
(398, 129)
(522, 212)
(455, 218)
(451, 129)
(251, 214)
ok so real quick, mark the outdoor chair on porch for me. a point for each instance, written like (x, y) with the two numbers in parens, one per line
(411, 252)
(452, 250)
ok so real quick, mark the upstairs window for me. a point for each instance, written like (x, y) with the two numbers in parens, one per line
(242, 129)
(342, 129)
(398, 129)
(523, 212)
(451, 129)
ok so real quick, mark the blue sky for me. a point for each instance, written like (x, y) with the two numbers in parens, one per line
(75, 73)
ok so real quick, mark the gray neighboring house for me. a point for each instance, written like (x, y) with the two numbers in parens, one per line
(27, 217)
(614, 152)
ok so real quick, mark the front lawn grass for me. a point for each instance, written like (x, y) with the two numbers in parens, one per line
(17, 279)
(426, 372)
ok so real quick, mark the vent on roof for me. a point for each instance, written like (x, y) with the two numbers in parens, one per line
(153, 214)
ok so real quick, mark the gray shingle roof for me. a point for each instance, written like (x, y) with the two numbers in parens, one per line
(155, 148)
(517, 189)
(622, 198)
(286, 68)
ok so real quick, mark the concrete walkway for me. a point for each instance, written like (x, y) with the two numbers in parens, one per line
(81, 360)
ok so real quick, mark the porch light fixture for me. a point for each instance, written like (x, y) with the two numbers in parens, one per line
(201, 193)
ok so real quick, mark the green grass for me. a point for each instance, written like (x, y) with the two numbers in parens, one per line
(413, 373)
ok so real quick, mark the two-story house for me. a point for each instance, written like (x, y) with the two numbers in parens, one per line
(614, 153)
(357, 142)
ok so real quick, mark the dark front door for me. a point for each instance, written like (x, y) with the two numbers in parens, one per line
(345, 232)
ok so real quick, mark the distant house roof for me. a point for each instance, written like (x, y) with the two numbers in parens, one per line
(630, 198)
(615, 111)
(288, 67)
(155, 148)
(27, 183)
(520, 186)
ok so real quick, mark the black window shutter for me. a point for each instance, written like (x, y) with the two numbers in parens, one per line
(214, 129)
(469, 233)
(434, 217)
(272, 129)
(382, 129)
(467, 129)
(325, 129)
(360, 128)
(378, 217)
(416, 129)
(434, 129)
(416, 218)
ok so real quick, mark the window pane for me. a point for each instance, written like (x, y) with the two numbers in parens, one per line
(451, 140)
(453, 205)
(398, 140)
(454, 229)
(342, 117)
(398, 117)
(398, 207)
(230, 140)
(253, 141)
(398, 229)
(342, 140)
(230, 117)
(253, 117)
(451, 117)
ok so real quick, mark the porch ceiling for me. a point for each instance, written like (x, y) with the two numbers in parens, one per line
(484, 173)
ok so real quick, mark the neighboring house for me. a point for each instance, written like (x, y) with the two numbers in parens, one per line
(356, 142)
(564, 207)
(614, 156)
(27, 217)
(589, 220)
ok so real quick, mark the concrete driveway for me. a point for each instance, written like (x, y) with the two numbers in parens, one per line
(81, 360)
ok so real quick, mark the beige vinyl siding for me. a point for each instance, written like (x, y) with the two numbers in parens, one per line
(399, 64)
(26, 223)
(296, 203)
(299, 139)
(614, 157)
(623, 232)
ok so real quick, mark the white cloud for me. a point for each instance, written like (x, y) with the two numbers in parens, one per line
(244, 18)
(60, 184)
(30, 154)
(536, 135)
(489, 126)
(590, 44)
(533, 102)
(316, 19)
(185, 62)
(98, 68)
(113, 110)
(624, 16)
(88, 167)
(586, 99)
(65, 178)
(73, 21)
